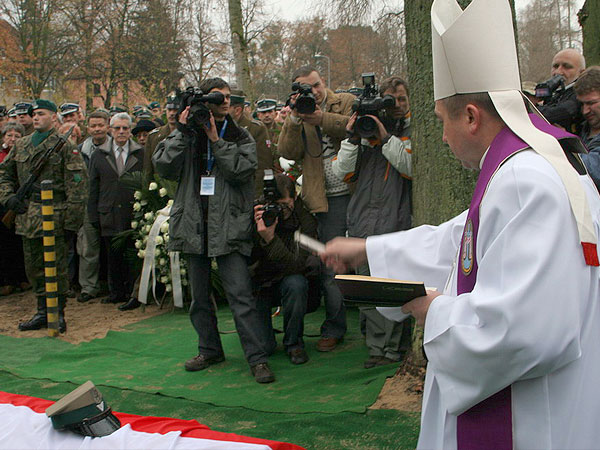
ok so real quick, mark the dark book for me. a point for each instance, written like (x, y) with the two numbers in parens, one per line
(378, 291)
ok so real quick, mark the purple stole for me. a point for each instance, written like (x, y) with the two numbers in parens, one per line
(489, 423)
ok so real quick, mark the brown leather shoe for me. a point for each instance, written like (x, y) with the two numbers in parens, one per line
(262, 373)
(201, 362)
(376, 361)
(326, 344)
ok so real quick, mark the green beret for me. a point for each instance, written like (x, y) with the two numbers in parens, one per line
(43, 104)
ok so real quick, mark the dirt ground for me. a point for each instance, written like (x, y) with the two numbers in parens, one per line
(402, 391)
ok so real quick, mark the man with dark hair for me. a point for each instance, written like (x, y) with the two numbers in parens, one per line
(381, 165)
(69, 182)
(509, 364)
(211, 217)
(88, 237)
(281, 269)
(587, 88)
(314, 140)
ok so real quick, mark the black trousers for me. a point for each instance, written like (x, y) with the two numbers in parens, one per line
(120, 274)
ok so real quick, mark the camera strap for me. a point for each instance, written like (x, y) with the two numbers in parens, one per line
(305, 142)
(210, 158)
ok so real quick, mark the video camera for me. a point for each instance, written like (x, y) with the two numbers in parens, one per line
(546, 89)
(305, 101)
(370, 104)
(272, 209)
(197, 100)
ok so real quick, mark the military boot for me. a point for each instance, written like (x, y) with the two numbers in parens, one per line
(62, 323)
(39, 319)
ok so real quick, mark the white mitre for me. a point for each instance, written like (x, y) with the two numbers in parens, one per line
(474, 51)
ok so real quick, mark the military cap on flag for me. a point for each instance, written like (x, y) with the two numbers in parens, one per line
(41, 103)
(266, 104)
(22, 107)
(68, 108)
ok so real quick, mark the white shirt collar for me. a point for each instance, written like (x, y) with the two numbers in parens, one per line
(124, 147)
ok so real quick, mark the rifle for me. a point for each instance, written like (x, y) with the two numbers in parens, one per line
(26, 188)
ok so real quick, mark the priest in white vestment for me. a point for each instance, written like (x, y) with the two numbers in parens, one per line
(512, 333)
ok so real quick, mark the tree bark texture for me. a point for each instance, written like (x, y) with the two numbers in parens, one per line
(589, 18)
(240, 47)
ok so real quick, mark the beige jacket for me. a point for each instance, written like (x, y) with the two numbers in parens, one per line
(335, 117)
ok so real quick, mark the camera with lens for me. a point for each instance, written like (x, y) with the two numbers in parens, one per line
(197, 101)
(370, 104)
(305, 101)
(271, 209)
(546, 89)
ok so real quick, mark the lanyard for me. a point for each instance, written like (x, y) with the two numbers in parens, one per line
(210, 159)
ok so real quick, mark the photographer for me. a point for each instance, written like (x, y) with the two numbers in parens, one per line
(214, 161)
(280, 273)
(381, 165)
(313, 139)
(561, 106)
(587, 88)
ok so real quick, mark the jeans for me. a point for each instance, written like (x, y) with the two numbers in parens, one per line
(333, 224)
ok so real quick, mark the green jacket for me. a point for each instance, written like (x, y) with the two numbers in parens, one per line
(230, 210)
(263, 153)
(154, 138)
(67, 171)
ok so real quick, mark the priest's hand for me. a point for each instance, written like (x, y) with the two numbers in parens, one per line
(342, 253)
(419, 306)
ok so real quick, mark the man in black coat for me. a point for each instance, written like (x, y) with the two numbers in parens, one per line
(110, 205)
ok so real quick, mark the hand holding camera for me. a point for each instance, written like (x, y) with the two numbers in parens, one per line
(267, 233)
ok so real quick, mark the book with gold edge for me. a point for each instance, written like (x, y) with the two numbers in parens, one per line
(375, 291)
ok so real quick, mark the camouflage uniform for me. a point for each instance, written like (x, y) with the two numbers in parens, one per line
(70, 184)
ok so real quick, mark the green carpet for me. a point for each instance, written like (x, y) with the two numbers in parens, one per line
(373, 430)
(148, 357)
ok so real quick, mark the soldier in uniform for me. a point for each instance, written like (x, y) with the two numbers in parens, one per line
(266, 113)
(23, 117)
(12, 115)
(159, 134)
(157, 113)
(70, 114)
(260, 134)
(67, 171)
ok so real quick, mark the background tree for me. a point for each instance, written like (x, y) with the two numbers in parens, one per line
(589, 18)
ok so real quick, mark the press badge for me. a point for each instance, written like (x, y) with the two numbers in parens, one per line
(207, 185)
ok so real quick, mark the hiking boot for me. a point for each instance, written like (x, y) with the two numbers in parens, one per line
(298, 356)
(327, 344)
(201, 362)
(262, 373)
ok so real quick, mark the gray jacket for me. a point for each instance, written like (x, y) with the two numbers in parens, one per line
(229, 222)
(381, 202)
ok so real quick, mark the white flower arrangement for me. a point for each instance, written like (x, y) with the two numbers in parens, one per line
(162, 192)
(152, 186)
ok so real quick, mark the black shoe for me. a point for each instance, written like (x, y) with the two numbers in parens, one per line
(112, 300)
(298, 356)
(262, 373)
(201, 362)
(37, 322)
(131, 304)
(84, 297)
(376, 361)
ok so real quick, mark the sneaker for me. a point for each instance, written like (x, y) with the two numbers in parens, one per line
(262, 373)
(298, 356)
(201, 362)
(327, 344)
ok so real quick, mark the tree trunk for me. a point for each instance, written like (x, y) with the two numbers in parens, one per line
(240, 48)
(589, 19)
